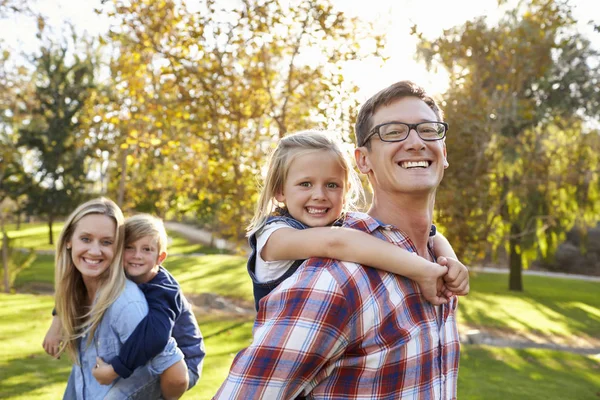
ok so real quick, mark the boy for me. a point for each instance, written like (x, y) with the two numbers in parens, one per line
(169, 313)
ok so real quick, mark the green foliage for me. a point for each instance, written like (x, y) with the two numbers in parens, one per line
(521, 162)
(54, 134)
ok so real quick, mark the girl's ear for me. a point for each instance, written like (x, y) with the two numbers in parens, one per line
(279, 196)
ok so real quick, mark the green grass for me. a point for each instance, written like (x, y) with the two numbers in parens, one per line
(489, 373)
(26, 372)
(180, 245)
(554, 308)
(549, 307)
(33, 236)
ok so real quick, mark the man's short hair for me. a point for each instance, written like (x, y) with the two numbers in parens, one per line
(385, 97)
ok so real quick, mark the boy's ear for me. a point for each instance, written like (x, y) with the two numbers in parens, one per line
(161, 257)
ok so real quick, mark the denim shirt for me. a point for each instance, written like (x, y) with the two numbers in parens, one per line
(118, 322)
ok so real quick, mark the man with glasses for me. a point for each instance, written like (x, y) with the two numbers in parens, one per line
(342, 330)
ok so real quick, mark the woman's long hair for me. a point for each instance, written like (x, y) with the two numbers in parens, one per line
(70, 291)
(287, 150)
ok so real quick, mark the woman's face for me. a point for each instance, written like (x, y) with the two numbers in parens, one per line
(93, 245)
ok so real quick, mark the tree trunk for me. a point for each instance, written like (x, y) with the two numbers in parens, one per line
(121, 193)
(50, 235)
(515, 279)
(5, 256)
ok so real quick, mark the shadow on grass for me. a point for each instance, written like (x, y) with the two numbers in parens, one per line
(501, 373)
(23, 376)
(548, 307)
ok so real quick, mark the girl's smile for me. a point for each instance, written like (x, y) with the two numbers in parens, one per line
(315, 188)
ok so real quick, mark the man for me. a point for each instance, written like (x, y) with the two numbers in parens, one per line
(341, 330)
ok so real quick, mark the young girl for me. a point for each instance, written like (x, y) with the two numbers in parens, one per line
(98, 307)
(310, 184)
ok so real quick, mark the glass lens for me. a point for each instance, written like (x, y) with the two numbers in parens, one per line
(393, 132)
(430, 130)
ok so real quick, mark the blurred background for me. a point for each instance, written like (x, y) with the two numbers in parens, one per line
(171, 107)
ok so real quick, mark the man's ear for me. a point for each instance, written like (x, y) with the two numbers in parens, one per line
(363, 163)
(446, 164)
(161, 257)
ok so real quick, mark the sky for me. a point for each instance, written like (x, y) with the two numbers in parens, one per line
(393, 17)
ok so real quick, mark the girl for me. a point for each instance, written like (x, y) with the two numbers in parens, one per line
(312, 179)
(98, 307)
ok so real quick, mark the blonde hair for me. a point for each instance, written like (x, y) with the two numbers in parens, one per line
(142, 225)
(287, 150)
(70, 291)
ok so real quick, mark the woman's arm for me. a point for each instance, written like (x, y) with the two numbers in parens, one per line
(352, 245)
(53, 337)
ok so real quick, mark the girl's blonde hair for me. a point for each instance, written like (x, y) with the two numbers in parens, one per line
(142, 225)
(287, 150)
(70, 292)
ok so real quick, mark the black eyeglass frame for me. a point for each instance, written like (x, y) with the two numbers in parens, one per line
(375, 130)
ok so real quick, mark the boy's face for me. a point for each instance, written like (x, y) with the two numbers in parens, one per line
(141, 259)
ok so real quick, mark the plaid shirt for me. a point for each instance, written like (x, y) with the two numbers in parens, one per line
(338, 330)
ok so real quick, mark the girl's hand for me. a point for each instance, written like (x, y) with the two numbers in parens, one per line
(432, 284)
(457, 278)
(103, 372)
(53, 338)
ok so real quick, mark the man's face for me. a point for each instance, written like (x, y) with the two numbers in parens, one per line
(412, 166)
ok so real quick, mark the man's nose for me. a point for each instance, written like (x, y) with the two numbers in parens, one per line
(414, 141)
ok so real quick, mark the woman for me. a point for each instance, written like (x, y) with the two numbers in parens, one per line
(97, 305)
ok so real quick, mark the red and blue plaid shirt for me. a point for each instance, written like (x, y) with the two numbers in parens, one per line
(339, 330)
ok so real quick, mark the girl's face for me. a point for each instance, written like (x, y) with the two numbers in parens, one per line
(93, 245)
(315, 188)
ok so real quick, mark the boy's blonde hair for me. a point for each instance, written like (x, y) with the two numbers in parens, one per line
(142, 225)
(70, 291)
(287, 150)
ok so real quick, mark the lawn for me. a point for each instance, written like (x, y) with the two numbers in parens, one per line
(26, 372)
(553, 308)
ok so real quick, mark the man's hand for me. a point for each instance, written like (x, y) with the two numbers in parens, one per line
(53, 338)
(103, 372)
(432, 284)
(457, 278)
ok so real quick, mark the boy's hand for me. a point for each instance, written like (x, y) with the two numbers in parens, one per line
(432, 284)
(53, 338)
(457, 278)
(103, 372)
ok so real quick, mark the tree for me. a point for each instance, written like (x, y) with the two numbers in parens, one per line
(54, 133)
(202, 96)
(518, 90)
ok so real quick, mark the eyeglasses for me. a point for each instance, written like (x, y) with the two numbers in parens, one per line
(399, 131)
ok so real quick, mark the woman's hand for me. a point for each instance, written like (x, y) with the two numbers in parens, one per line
(103, 372)
(53, 338)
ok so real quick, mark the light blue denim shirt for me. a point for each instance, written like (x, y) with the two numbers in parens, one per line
(117, 324)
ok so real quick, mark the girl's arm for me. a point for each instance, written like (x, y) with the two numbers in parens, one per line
(352, 245)
(457, 278)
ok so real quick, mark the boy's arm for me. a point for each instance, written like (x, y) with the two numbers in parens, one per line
(352, 245)
(153, 332)
(442, 247)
